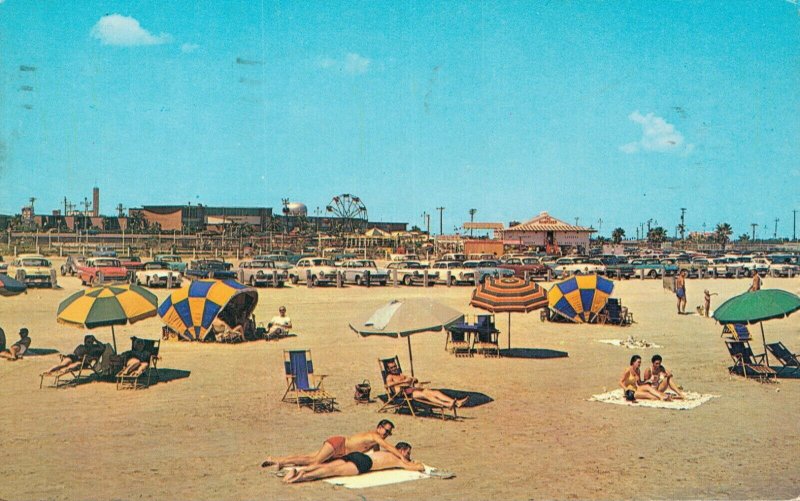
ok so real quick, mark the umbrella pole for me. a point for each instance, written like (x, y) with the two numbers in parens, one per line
(410, 357)
(764, 340)
(114, 338)
(509, 330)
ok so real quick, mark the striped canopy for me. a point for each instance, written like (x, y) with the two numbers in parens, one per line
(108, 305)
(508, 294)
(191, 310)
(11, 287)
(580, 298)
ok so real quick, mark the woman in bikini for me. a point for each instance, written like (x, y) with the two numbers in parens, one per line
(633, 386)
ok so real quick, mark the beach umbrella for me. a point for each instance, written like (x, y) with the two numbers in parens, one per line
(508, 294)
(105, 306)
(191, 310)
(404, 317)
(580, 298)
(11, 287)
(756, 307)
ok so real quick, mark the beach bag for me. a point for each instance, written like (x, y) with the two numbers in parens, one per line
(362, 392)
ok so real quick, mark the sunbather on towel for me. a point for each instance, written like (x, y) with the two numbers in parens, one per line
(137, 360)
(398, 381)
(633, 386)
(339, 446)
(19, 348)
(354, 464)
(91, 347)
(660, 378)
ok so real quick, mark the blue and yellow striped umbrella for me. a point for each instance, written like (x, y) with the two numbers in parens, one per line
(580, 298)
(189, 311)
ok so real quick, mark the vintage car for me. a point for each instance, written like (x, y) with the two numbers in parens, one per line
(281, 260)
(132, 263)
(260, 273)
(782, 265)
(209, 268)
(752, 265)
(485, 268)
(454, 257)
(316, 269)
(173, 260)
(157, 274)
(32, 270)
(567, 266)
(412, 272)
(99, 270)
(103, 252)
(616, 267)
(725, 267)
(458, 274)
(524, 266)
(356, 270)
(71, 265)
(650, 267)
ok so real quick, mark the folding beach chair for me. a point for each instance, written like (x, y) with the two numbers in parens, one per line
(304, 387)
(486, 337)
(135, 382)
(458, 342)
(788, 360)
(745, 363)
(616, 314)
(399, 402)
(738, 332)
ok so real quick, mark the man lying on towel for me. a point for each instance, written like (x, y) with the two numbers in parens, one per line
(356, 463)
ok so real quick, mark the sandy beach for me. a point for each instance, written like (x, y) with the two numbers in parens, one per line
(204, 436)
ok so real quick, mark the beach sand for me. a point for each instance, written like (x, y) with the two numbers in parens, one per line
(205, 435)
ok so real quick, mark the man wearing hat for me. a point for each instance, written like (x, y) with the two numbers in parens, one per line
(19, 348)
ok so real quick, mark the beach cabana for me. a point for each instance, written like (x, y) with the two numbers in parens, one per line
(580, 298)
(191, 310)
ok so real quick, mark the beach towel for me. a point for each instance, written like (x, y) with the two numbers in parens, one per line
(383, 477)
(630, 343)
(691, 401)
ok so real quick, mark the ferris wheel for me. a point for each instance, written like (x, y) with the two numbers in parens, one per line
(349, 211)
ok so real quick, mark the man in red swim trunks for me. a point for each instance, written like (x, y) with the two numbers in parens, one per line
(339, 446)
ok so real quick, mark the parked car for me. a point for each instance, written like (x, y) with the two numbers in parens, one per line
(103, 252)
(524, 265)
(210, 268)
(651, 267)
(32, 270)
(454, 257)
(280, 260)
(752, 265)
(458, 274)
(617, 267)
(670, 265)
(412, 272)
(100, 270)
(566, 266)
(261, 272)
(486, 268)
(132, 263)
(173, 260)
(318, 269)
(725, 267)
(71, 265)
(355, 271)
(157, 274)
(781, 265)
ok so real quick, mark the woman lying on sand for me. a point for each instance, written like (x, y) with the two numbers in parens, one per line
(633, 386)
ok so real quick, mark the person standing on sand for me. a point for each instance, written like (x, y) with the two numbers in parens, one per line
(756, 285)
(680, 292)
(707, 301)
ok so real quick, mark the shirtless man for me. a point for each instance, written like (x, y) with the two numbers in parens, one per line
(680, 292)
(660, 378)
(354, 464)
(398, 381)
(756, 285)
(19, 348)
(338, 446)
(279, 325)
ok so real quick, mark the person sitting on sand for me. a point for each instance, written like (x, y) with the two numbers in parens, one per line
(19, 348)
(137, 360)
(279, 325)
(339, 446)
(91, 348)
(397, 381)
(224, 332)
(356, 463)
(633, 386)
(660, 378)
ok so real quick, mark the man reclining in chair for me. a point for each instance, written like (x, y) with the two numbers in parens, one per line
(397, 381)
(356, 463)
(91, 348)
(137, 360)
(339, 446)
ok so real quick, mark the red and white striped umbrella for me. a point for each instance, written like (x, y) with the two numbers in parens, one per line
(509, 294)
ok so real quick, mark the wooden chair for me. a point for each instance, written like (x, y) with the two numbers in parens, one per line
(458, 343)
(303, 386)
(738, 332)
(745, 363)
(399, 402)
(137, 381)
(787, 359)
(487, 336)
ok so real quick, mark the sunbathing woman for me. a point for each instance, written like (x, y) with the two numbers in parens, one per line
(136, 360)
(633, 386)
(91, 347)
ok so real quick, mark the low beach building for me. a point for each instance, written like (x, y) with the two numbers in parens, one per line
(545, 233)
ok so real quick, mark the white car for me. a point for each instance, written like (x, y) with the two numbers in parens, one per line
(458, 273)
(781, 264)
(157, 274)
(260, 272)
(412, 272)
(318, 269)
(567, 266)
(32, 269)
(355, 271)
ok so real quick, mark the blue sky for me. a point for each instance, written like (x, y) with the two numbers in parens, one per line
(620, 111)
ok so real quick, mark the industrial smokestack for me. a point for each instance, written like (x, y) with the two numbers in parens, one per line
(95, 201)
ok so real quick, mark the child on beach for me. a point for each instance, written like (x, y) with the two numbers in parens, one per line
(707, 301)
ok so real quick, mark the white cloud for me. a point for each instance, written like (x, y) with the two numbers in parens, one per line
(352, 63)
(657, 135)
(116, 29)
(189, 47)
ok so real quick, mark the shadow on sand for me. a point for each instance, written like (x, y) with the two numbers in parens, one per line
(33, 352)
(532, 353)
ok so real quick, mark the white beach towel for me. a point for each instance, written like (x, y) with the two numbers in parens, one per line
(378, 478)
(631, 345)
(691, 401)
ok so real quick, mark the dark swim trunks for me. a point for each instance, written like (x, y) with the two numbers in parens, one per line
(362, 461)
(680, 292)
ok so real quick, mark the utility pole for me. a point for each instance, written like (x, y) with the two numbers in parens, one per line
(794, 225)
(683, 225)
(472, 218)
(599, 225)
(441, 213)
(754, 225)
(775, 235)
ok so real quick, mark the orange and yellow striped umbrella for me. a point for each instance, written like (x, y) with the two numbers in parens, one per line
(508, 295)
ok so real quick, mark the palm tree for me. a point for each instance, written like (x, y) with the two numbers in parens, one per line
(722, 233)
(617, 235)
(657, 235)
(744, 237)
